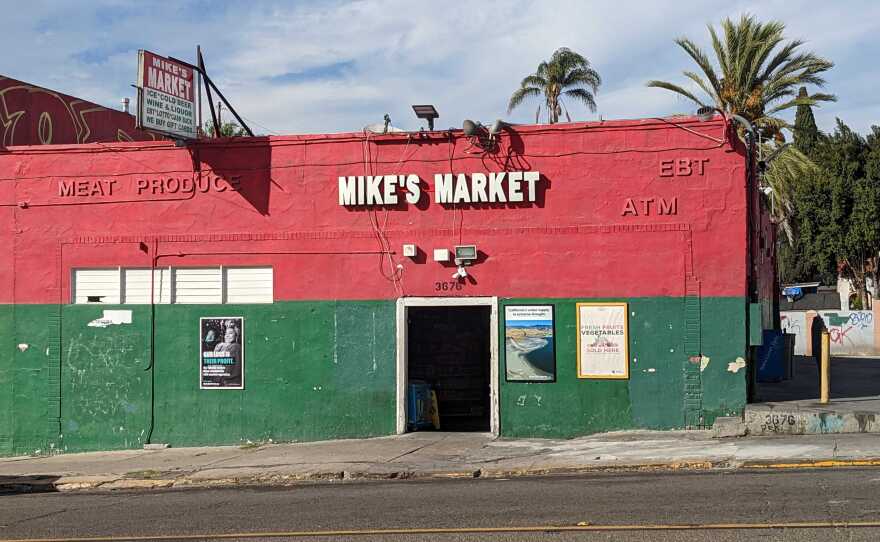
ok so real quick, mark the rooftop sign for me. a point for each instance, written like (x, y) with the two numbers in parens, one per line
(166, 96)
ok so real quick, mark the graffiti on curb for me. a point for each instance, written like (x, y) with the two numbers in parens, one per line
(777, 423)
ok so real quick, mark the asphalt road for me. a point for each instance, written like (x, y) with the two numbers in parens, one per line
(762, 505)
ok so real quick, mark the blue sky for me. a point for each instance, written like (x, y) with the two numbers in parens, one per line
(331, 66)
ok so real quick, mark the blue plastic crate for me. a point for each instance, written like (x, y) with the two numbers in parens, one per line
(418, 411)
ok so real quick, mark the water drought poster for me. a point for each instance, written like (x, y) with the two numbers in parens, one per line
(529, 343)
(222, 353)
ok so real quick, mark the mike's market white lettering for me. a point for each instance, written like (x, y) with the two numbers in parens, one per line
(449, 188)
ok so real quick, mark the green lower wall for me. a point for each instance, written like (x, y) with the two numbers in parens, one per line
(314, 370)
(663, 381)
(323, 370)
(7, 391)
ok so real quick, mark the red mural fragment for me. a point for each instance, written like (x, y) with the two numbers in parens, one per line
(32, 115)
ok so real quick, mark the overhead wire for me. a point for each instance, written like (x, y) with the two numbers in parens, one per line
(384, 244)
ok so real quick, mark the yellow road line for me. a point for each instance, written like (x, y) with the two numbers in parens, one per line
(815, 464)
(475, 530)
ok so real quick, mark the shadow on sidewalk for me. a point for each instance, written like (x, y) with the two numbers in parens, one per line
(41, 483)
(851, 377)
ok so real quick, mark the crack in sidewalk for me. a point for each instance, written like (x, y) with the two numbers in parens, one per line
(416, 449)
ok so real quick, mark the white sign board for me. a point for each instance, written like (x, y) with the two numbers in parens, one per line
(603, 340)
(166, 96)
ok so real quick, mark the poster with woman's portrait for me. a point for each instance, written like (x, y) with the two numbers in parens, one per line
(222, 353)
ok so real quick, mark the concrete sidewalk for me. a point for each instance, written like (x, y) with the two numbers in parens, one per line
(428, 455)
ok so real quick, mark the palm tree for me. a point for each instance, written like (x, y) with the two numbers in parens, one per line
(758, 73)
(566, 74)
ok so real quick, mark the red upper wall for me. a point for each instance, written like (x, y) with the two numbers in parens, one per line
(31, 115)
(595, 229)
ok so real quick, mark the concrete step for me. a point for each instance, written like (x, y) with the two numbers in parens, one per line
(860, 415)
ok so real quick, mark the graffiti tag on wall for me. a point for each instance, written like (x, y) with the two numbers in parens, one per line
(852, 332)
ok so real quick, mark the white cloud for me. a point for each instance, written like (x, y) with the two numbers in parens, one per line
(336, 66)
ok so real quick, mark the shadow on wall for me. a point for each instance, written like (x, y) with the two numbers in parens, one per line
(245, 164)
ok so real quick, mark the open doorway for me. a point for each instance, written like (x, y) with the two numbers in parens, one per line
(448, 355)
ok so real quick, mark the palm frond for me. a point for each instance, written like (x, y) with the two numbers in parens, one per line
(813, 101)
(565, 73)
(520, 95)
(760, 70)
(677, 89)
(533, 81)
(702, 84)
(583, 76)
(702, 61)
(582, 96)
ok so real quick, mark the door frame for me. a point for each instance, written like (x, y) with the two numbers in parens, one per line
(403, 304)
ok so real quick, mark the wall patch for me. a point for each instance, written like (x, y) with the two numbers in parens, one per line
(735, 366)
(112, 318)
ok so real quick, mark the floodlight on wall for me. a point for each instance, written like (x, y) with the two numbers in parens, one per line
(482, 137)
(427, 112)
(471, 128)
(497, 126)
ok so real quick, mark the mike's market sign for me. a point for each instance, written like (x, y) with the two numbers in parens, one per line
(166, 96)
(449, 188)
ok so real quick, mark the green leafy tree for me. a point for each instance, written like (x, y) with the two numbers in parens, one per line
(794, 168)
(872, 158)
(566, 75)
(755, 73)
(806, 133)
(788, 168)
(858, 247)
(227, 129)
(814, 256)
(837, 210)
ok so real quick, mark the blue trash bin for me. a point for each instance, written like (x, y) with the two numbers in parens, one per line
(771, 357)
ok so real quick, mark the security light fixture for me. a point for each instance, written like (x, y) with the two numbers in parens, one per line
(465, 254)
(497, 126)
(471, 128)
(427, 112)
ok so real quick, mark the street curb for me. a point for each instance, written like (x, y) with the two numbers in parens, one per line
(44, 484)
(811, 464)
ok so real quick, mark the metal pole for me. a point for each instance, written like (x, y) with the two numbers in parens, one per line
(208, 92)
(825, 368)
(209, 84)
(198, 56)
(228, 105)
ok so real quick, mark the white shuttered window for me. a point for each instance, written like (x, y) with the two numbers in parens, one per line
(198, 285)
(179, 285)
(136, 286)
(96, 286)
(248, 284)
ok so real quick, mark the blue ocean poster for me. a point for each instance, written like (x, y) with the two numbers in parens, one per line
(529, 343)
